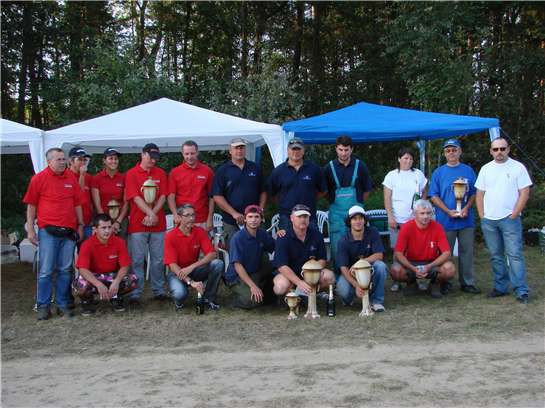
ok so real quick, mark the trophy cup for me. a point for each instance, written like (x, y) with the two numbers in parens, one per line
(113, 209)
(311, 274)
(149, 189)
(292, 301)
(460, 189)
(361, 270)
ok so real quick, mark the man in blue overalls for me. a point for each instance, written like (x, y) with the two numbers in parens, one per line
(348, 184)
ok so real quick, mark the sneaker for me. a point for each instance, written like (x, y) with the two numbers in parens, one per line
(423, 284)
(322, 296)
(378, 308)
(162, 297)
(117, 304)
(65, 312)
(44, 313)
(470, 289)
(494, 294)
(410, 290)
(435, 291)
(178, 306)
(396, 287)
(523, 299)
(212, 306)
(445, 287)
(87, 308)
(135, 304)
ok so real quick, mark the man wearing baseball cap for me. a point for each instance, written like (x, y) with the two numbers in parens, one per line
(296, 181)
(360, 241)
(78, 166)
(249, 274)
(147, 223)
(237, 184)
(458, 226)
(296, 247)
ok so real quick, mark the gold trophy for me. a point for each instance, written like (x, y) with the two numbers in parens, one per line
(361, 270)
(113, 209)
(149, 189)
(292, 301)
(311, 274)
(460, 190)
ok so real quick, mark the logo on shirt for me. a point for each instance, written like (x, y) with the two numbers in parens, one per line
(432, 244)
(68, 186)
(113, 256)
(119, 185)
(313, 248)
(251, 174)
(200, 177)
(306, 178)
(157, 181)
(196, 246)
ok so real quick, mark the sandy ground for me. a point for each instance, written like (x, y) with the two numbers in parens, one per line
(508, 373)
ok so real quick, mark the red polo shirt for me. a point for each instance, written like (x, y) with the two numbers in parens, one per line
(184, 250)
(109, 187)
(134, 179)
(55, 198)
(193, 186)
(103, 258)
(422, 245)
(86, 206)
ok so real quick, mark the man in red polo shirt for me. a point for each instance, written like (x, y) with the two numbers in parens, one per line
(182, 247)
(103, 264)
(54, 198)
(191, 182)
(79, 161)
(422, 253)
(109, 184)
(147, 222)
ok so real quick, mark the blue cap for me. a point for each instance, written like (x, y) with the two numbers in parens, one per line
(452, 142)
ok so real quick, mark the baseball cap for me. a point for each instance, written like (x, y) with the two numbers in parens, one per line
(355, 210)
(238, 141)
(153, 150)
(78, 152)
(452, 142)
(252, 208)
(300, 209)
(296, 143)
(110, 151)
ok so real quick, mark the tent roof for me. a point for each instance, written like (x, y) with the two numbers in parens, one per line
(167, 123)
(14, 136)
(366, 122)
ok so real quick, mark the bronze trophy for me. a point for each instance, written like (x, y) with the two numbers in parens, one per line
(361, 270)
(460, 189)
(149, 189)
(311, 274)
(113, 209)
(292, 301)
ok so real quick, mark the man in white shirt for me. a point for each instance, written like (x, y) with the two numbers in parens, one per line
(503, 188)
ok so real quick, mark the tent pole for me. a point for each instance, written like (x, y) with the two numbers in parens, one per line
(422, 148)
(258, 153)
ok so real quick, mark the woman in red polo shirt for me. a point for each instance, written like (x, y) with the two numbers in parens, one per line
(108, 185)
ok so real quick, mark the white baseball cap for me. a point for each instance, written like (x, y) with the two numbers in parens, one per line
(355, 210)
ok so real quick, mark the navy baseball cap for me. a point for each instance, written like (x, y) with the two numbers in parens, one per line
(153, 151)
(452, 142)
(78, 152)
(110, 151)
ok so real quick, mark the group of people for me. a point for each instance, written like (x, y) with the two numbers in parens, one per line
(118, 222)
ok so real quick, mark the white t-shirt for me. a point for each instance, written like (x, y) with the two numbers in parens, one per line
(404, 184)
(501, 183)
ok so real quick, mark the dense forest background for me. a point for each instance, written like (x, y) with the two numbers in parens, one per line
(64, 62)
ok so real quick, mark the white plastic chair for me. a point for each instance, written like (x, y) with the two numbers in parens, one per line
(217, 221)
(273, 229)
(323, 221)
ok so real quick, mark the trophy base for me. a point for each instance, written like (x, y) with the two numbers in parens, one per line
(292, 316)
(366, 312)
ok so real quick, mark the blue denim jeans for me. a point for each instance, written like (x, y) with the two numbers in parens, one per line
(504, 239)
(140, 243)
(210, 273)
(55, 253)
(346, 291)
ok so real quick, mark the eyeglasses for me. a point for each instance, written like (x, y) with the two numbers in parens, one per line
(501, 149)
(192, 215)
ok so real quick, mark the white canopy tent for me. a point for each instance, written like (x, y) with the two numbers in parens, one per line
(19, 139)
(168, 124)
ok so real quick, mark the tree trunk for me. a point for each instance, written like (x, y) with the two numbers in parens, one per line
(25, 56)
(297, 40)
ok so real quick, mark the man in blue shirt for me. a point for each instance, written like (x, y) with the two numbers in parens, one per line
(294, 249)
(460, 225)
(296, 181)
(237, 184)
(360, 242)
(348, 184)
(249, 271)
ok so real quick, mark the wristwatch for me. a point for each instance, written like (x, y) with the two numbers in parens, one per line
(188, 282)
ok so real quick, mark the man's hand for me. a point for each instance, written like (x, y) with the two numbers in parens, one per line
(177, 219)
(103, 292)
(453, 214)
(422, 272)
(256, 294)
(281, 233)
(238, 217)
(198, 286)
(514, 216)
(114, 288)
(304, 287)
(209, 225)
(392, 224)
(184, 272)
(80, 233)
(464, 213)
(359, 292)
(31, 235)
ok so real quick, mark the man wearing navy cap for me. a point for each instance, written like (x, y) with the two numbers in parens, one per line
(249, 273)
(78, 166)
(458, 226)
(296, 181)
(237, 184)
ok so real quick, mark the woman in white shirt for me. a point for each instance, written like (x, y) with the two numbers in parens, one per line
(402, 187)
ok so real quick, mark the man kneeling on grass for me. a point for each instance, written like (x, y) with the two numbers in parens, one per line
(422, 254)
(103, 264)
(249, 275)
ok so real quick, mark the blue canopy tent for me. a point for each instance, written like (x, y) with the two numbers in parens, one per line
(367, 122)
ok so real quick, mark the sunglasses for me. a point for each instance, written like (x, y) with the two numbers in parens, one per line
(501, 149)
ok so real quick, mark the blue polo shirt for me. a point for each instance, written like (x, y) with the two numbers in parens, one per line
(344, 174)
(349, 250)
(296, 186)
(441, 186)
(293, 252)
(247, 250)
(240, 187)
